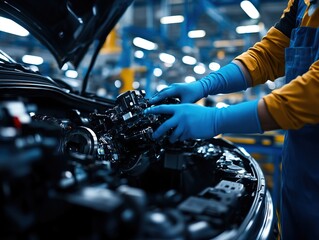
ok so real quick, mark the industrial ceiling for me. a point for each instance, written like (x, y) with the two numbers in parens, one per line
(219, 20)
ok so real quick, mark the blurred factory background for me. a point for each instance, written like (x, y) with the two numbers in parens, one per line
(160, 42)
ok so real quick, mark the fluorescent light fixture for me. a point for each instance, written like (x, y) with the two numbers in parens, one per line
(139, 54)
(214, 66)
(229, 43)
(200, 69)
(196, 34)
(189, 60)
(157, 72)
(189, 79)
(172, 19)
(248, 29)
(161, 87)
(30, 59)
(145, 44)
(250, 9)
(167, 58)
(71, 73)
(168, 65)
(101, 92)
(118, 83)
(65, 67)
(136, 85)
(9, 26)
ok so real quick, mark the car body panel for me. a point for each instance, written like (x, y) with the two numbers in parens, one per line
(66, 28)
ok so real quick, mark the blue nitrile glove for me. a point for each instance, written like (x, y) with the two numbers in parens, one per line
(192, 121)
(186, 92)
(226, 80)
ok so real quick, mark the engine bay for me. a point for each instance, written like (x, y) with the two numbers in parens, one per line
(98, 174)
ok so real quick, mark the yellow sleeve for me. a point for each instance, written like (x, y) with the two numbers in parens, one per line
(296, 103)
(266, 59)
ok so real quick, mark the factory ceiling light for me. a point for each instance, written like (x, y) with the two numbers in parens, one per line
(71, 74)
(9, 26)
(248, 29)
(228, 43)
(167, 58)
(196, 34)
(189, 79)
(139, 54)
(30, 59)
(172, 19)
(145, 44)
(189, 60)
(214, 66)
(250, 9)
(157, 72)
(200, 69)
(117, 83)
(65, 67)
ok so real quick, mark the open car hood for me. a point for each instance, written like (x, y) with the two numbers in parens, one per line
(66, 27)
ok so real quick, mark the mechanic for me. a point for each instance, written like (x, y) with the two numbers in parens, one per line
(290, 48)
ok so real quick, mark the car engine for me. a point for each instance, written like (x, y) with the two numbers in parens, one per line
(99, 175)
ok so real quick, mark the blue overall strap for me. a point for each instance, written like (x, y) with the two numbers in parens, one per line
(300, 166)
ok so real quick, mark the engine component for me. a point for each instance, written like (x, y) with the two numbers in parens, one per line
(105, 174)
(120, 136)
(81, 143)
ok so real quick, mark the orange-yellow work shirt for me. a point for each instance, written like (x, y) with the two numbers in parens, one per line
(296, 103)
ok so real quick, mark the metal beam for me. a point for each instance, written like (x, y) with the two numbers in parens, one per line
(186, 26)
(212, 11)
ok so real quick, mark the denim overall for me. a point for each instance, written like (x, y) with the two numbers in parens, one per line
(300, 166)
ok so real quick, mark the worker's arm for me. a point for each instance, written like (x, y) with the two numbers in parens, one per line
(191, 121)
(266, 59)
(296, 103)
(228, 79)
(290, 107)
(267, 122)
(293, 105)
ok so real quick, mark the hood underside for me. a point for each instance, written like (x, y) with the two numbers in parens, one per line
(66, 27)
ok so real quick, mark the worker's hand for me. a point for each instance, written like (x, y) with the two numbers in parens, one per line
(226, 80)
(186, 92)
(188, 121)
(191, 121)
